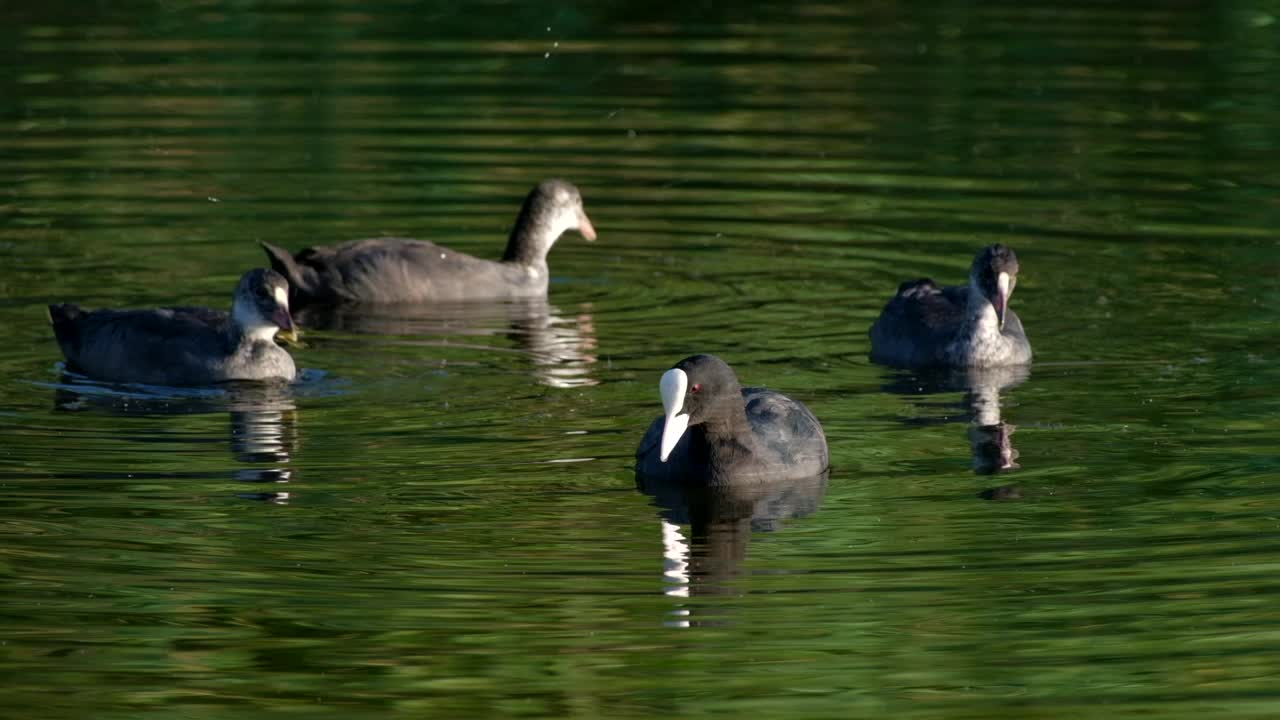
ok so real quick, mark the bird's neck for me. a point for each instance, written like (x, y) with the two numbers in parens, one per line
(247, 326)
(980, 341)
(980, 318)
(528, 245)
(252, 334)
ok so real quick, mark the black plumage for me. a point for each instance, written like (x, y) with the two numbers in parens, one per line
(733, 434)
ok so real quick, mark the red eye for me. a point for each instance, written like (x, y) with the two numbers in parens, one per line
(696, 387)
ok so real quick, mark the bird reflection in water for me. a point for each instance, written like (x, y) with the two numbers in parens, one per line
(264, 431)
(721, 521)
(561, 346)
(990, 437)
(263, 419)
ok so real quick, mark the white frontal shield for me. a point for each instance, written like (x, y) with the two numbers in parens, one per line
(673, 385)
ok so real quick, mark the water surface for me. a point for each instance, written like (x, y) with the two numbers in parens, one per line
(440, 519)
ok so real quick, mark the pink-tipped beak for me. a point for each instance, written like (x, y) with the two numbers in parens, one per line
(585, 228)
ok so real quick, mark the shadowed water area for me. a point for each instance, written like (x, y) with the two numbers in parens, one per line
(440, 518)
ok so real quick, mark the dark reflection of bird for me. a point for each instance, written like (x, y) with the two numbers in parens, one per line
(971, 326)
(263, 420)
(721, 520)
(183, 345)
(561, 346)
(404, 270)
(990, 438)
(715, 432)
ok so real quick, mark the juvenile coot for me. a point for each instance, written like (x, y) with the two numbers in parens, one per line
(401, 270)
(715, 431)
(183, 345)
(970, 326)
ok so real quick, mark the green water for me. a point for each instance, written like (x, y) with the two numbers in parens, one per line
(440, 519)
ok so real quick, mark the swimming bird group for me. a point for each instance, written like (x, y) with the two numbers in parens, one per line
(712, 430)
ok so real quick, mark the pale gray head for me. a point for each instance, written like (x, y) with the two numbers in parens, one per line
(551, 208)
(261, 306)
(994, 274)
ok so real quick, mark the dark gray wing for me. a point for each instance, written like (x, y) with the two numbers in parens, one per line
(304, 285)
(917, 324)
(404, 270)
(786, 432)
(161, 346)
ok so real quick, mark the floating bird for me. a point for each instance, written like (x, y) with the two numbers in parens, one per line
(184, 345)
(971, 326)
(402, 270)
(715, 431)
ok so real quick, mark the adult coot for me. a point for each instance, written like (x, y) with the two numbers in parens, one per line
(183, 345)
(715, 431)
(972, 326)
(401, 270)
